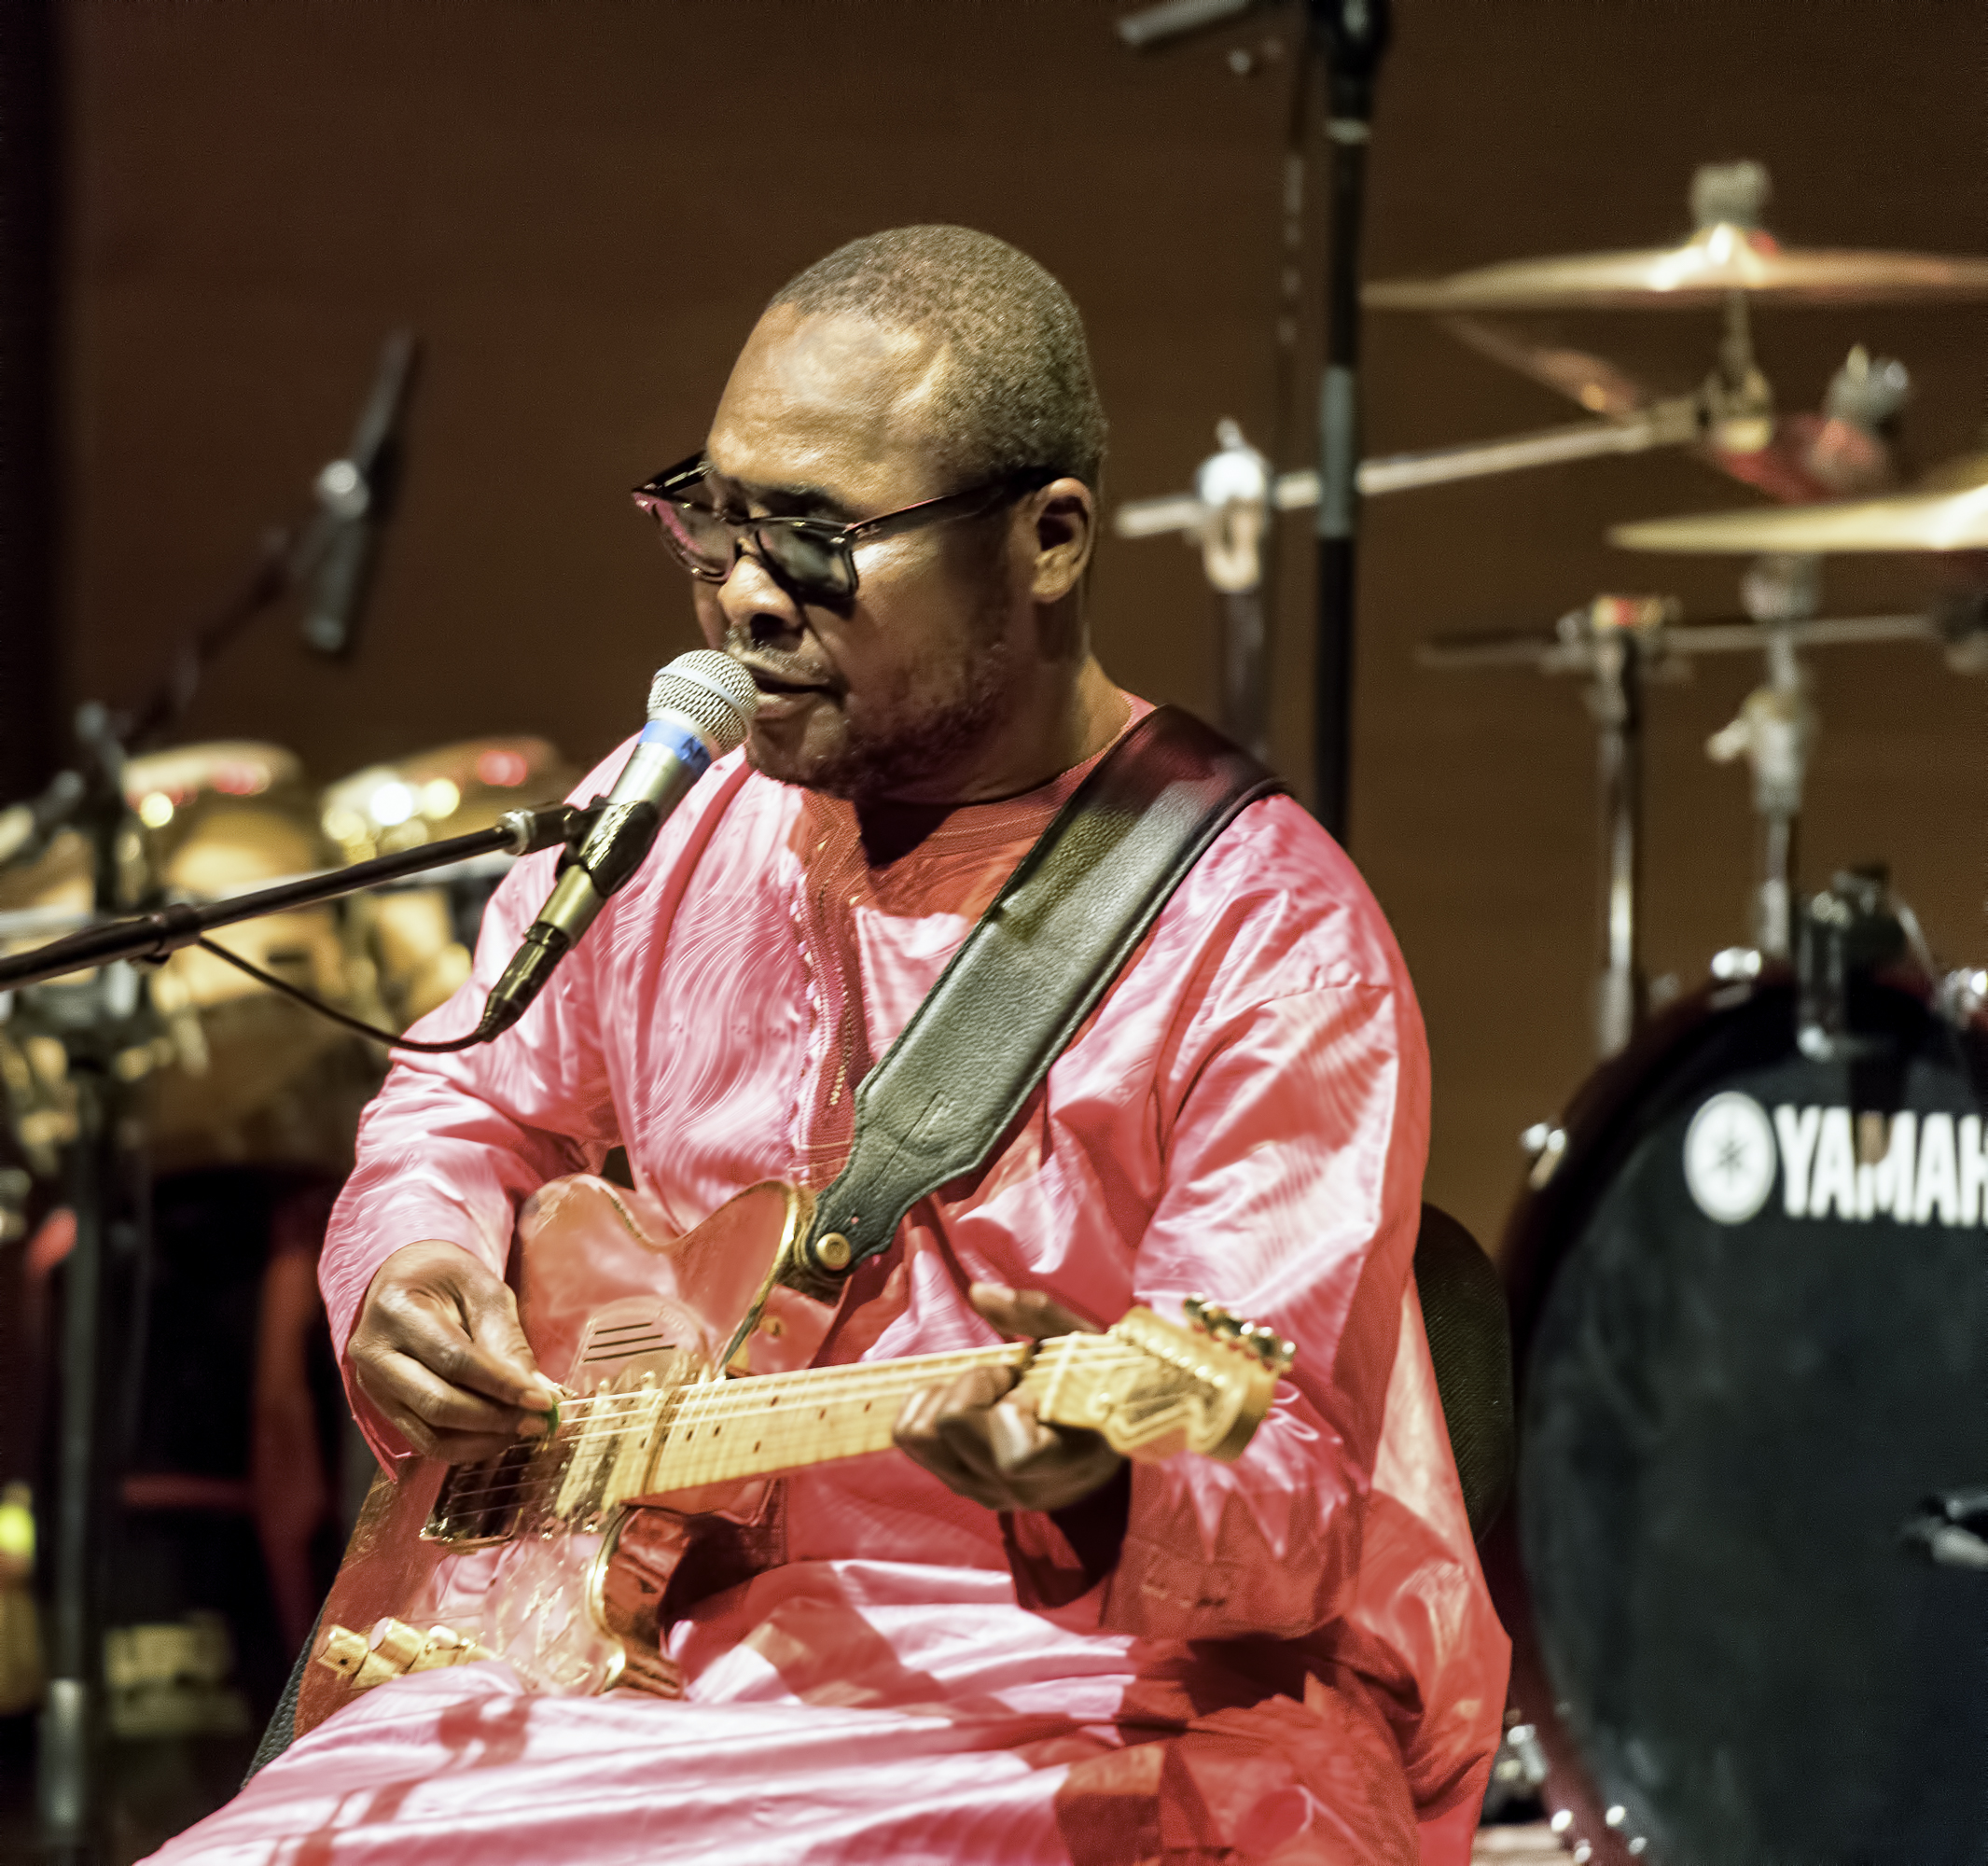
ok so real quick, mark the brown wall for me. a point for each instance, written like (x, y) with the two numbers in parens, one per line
(581, 205)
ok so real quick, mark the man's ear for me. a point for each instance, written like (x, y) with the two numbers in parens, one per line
(1064, 516)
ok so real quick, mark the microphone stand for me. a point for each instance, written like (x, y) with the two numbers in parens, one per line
(97, 1021)
(101, 1019)
(354, 495)
(1349, 37)
(149, 938)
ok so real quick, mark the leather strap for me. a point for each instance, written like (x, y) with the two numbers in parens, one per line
(1029, 973)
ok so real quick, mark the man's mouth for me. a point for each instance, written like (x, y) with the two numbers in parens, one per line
(774, 682)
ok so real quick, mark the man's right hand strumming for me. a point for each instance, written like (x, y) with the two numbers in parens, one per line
(438, 1349)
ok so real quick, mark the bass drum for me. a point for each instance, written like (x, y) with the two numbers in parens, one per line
(1751, 1319)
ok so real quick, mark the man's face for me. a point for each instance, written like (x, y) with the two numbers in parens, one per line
(888, 695)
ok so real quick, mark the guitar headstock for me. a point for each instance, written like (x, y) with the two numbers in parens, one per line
(1153, 1387)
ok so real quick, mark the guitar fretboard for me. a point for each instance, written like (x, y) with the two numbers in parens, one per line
(724, 1430)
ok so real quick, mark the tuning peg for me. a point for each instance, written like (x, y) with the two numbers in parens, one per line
(1193, 1308)
(1268, 1347)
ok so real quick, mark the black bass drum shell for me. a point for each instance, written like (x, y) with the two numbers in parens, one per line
(1724, 1421)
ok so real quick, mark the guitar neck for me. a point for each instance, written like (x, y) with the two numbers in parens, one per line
(721, 1431)
(1153, 1388)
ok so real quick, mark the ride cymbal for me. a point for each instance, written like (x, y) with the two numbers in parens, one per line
(1942, 520)
(1715, 262)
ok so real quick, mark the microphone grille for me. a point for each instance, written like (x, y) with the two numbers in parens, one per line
(710, 690)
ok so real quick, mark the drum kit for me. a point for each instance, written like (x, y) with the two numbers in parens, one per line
(1746, 1264)
(230, 1069)
(231, 1465)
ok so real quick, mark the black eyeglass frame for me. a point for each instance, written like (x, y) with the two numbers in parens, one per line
(839, 541)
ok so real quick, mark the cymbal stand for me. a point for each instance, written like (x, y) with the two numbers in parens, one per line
(1618, 643)
(1774, 732)
(1233, 489)
(1616, 630)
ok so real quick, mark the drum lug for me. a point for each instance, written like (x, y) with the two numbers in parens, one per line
(1545, 1144)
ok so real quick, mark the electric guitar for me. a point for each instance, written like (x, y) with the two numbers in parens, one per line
(690, 1390)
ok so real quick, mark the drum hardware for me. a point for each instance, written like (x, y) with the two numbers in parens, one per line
(1518, 1771)
(1950, 1530)
(1673, 424)
(1808, 457)
(1618, 643)
(1776, 728)
(1228, 516)
(1858, 929)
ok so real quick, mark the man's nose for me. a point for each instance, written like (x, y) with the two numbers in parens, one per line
(755, 608)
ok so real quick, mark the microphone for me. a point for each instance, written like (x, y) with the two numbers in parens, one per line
(356, 497)
(701, 707)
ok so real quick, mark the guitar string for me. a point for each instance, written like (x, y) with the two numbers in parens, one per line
(875, 1379)
(722, 1401)
(835, 1385)
(697, 1405)
(933, 1363)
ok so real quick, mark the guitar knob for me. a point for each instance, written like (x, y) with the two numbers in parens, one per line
(1194, 1308)
(398, 1644)
(341, 1651)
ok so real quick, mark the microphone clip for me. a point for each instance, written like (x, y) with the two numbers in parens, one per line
(551, 826)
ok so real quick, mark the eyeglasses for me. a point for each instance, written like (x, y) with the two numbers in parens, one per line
(813, 559)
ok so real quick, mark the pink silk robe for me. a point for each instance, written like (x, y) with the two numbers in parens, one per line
(1245, 1114)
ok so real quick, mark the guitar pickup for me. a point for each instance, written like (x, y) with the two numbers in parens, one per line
(479, 1504)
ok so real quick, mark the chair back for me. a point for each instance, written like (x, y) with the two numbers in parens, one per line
(1469, 1331)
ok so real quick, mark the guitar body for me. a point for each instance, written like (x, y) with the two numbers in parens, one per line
(689, 1366)
(613, 1304)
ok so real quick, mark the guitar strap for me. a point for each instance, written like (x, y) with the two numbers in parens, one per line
(1030, 972)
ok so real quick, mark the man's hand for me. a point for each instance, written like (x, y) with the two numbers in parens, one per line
(981, 1440)
(438, 1350)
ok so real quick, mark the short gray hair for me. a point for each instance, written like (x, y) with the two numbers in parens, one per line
(1019, 395)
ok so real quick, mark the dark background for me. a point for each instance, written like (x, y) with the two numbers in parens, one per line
(581, 206)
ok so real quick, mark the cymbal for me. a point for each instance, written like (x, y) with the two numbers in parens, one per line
(1948, 518)
(221, 767)
(446, 791)
(416, 936)
(217, 819)
(1717, 261)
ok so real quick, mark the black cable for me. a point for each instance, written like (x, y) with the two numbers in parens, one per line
(324, 1010)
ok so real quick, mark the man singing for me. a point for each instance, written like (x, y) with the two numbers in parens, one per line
(997, 1644)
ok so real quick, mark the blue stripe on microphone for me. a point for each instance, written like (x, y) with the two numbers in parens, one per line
(680, 741)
